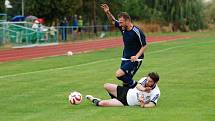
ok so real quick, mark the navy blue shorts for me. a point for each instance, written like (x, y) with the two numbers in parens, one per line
(129, 67)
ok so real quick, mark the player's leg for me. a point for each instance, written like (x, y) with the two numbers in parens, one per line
(125, 77)
(111, 89)
(120, 72)
(93, 99)
(120, 100)
(120, 75)
(104, 103)
(110, 102)
(126, 73)
(136, 67)
(133, 68)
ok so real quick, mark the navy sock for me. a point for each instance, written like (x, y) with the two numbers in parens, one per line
(96, 102)
(127, 79)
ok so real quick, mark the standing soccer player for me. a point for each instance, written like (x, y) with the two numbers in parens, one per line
(134, 46)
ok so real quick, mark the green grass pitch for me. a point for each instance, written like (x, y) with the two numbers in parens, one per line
(38, 89)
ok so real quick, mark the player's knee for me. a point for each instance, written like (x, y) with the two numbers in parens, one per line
(119, 73)
(107, 86)
(120, 77)
(110, 87)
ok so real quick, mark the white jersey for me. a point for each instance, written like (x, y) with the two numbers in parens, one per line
(134, 94)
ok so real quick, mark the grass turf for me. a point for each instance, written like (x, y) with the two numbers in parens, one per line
(37, 90)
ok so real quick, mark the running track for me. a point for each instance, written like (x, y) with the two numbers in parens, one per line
(76, 47)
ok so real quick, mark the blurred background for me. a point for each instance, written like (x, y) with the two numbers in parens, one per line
(73, 20)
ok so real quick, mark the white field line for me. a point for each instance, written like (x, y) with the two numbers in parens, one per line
(90, 63)
(56, 69)
(105, 48)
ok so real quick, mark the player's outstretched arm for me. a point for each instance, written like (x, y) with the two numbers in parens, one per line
(108, 13)
(145, 105)
(148, 105)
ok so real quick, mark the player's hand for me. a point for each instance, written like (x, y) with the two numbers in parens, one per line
(148, 89)
(105, 7)
(141, 98)
(134, 58)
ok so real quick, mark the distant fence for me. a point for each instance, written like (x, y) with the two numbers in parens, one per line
(21, 34)
(72, 33)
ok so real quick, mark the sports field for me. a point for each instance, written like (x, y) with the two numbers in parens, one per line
(37, 90)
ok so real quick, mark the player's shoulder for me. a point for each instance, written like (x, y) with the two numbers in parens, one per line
(143, 79)
(137, 29)
(156, 90)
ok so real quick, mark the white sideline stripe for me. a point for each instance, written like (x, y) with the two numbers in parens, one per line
(55, 69)
(90, 63)
(36, 45)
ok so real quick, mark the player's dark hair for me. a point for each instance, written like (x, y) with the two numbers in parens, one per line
(154, 76)
(125, 15)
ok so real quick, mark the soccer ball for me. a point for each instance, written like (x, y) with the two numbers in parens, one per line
(75, 98)
(69, 53)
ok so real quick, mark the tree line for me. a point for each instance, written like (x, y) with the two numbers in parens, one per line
(181, 14)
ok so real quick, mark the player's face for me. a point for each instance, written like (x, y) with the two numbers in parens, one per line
(149, 82)
(122, 22)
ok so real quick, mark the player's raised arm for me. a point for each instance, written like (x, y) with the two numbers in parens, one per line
(108, 13)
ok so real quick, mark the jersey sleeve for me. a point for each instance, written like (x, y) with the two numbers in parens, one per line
(154, 98)
(117, 25)
(140, 35)
(142, 81)
(143, 38)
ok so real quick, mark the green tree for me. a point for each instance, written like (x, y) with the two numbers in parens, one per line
(209, 11)
(143, 9)
(183, 13)
(180, 13)
(52, 9)
(2, 10)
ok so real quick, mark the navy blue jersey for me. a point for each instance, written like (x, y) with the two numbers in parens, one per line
(133, 41)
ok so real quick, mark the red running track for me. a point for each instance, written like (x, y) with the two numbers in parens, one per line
(76, 47)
